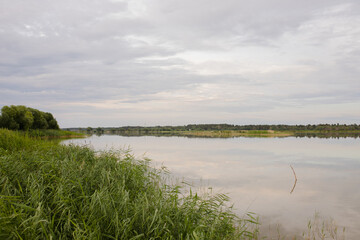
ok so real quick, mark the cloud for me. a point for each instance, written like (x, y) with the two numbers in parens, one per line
(204, 61)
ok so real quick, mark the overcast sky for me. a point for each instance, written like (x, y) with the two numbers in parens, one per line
(174, 62)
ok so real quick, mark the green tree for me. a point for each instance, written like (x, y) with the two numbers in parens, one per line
(24, 118)
(99, 130)
(28, 120)
(51, 121)
(16, 117)
(8, 116)
(39, 119)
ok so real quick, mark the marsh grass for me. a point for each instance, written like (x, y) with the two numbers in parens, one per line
(320, 228)
(317, 228)
(53, 133)
(11, 141)
(52, 191)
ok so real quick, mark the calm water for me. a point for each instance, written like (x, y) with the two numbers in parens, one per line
(256, 174)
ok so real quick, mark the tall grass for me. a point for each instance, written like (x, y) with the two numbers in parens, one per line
(46, 133)
(50, 191)
(11, 141)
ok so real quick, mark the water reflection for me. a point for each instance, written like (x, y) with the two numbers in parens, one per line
(256, 173)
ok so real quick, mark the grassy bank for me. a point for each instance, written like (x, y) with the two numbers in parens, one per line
(52, 133)
(51, 191)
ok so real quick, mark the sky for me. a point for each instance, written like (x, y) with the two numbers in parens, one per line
(171, 62)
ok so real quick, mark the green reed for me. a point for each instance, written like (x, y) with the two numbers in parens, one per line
(51, 191)
(48, 133)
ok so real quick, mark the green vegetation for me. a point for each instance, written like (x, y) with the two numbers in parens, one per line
(228, 130)
(53, 133)
(52, 191)
(24, 118)
(33, 123)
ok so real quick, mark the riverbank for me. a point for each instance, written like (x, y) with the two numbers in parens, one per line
(52, 191)
(52, 133)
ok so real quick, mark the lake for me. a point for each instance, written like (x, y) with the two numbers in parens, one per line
(256, 174)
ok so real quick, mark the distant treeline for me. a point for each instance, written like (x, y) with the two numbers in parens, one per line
(226, 127)
(222, 127)
(25, 118)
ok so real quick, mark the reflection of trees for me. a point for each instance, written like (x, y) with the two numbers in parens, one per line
(328, 135)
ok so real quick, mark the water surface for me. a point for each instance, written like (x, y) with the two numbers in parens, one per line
(256, 174)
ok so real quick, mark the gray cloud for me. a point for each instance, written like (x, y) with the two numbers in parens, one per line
(204, 61)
